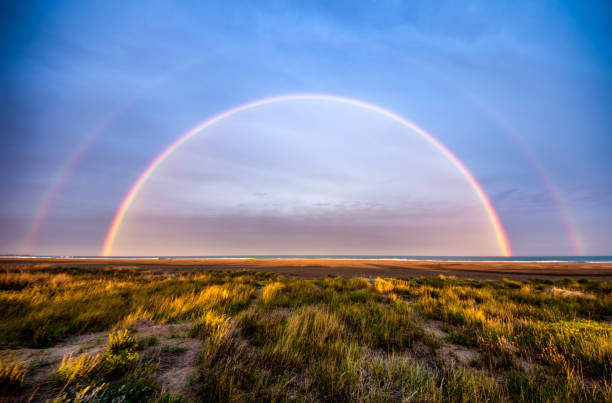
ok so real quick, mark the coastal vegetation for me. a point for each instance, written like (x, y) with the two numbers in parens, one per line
(132, 334)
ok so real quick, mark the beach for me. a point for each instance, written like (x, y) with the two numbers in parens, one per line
(317, 268)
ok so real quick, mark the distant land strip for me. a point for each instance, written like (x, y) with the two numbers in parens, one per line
(317, 268)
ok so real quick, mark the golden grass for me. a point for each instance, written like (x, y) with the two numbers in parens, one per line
(47, 310)
(12, 376)
(331, 339)
(271, 292)
(73, 369)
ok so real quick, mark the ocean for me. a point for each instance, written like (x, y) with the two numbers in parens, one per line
(593, 259)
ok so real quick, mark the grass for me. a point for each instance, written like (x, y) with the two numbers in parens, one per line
(331, 339)
(174, 349)
(119, 373)
(12, 376)
(41, 307)
(119, 357)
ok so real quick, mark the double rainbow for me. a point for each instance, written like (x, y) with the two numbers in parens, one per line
(129, 198)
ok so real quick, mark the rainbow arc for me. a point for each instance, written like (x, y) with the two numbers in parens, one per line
(146, 174)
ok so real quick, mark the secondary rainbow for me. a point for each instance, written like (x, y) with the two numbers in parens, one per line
(66, 170)
(131, 195)
(492, 114)
(64, 173)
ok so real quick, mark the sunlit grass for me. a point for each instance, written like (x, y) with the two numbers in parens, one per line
(12, 376)
(266, 337)
(73, 369)
(48, 310)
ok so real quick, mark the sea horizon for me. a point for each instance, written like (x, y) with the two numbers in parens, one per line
(546, 258)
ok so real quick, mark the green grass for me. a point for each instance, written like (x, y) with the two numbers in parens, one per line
(41, 307)
(267, 337)
(174, 349)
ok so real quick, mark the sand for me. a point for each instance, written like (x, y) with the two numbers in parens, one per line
(316, 268)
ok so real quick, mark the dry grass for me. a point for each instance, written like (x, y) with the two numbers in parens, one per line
(330, 339)
(12, 376)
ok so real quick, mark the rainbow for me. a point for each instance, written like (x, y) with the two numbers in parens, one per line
(562, 210)
(571, 231)
(65, 171)
(63, 174)
(131, 195)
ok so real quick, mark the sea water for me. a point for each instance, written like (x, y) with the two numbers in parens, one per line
(593, 259)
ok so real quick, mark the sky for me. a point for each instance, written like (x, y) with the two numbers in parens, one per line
(520, 93)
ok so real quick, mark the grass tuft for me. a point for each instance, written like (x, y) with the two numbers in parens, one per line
(12, 376)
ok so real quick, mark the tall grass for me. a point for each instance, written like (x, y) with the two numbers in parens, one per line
(12, 376)
(74, 369)
(331, 339)
(48, 310)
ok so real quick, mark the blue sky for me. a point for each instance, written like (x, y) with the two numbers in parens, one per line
(520, 92)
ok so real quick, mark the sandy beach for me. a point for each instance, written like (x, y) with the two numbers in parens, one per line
(316, 268)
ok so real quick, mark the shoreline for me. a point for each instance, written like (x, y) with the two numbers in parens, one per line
(338, 258)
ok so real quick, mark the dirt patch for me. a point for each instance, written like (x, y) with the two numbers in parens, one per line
(451, 353)
(179, 365)
(166, 331)
(448, 352)
(256, 297)
(568, 293)
(178, 354)
(434, 328)
(525, 365)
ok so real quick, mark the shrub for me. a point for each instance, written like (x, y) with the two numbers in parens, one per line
(120, 340)
(383, 286)
(120, 354)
